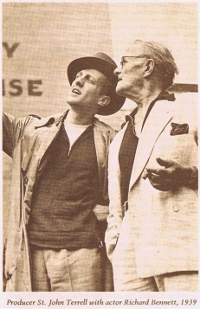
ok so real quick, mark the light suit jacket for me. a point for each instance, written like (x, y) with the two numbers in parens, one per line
(26, 141)
(161, 227)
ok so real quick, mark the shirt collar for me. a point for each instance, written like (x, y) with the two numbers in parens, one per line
(164, 95)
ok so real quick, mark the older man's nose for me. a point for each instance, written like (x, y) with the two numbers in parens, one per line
(117, 71)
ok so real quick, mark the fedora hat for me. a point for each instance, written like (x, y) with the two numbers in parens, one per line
(103, 63)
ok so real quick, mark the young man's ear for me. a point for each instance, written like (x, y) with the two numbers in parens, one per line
(149, 67)
(104, 100)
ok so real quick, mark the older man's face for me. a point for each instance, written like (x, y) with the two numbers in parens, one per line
(130, 73)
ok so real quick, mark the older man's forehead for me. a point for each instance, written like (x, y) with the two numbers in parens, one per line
(135, 49)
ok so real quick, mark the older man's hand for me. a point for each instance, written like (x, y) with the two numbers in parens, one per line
(169, 176)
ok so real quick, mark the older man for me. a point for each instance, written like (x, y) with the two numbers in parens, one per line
(59, 182)
(152, 226)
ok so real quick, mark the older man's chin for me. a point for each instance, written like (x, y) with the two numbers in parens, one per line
(120, 90)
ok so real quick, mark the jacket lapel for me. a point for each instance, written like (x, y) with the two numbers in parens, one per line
(46, 140)
(39, 142)
(157, 120)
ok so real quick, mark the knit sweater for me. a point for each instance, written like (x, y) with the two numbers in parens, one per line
(65, 195)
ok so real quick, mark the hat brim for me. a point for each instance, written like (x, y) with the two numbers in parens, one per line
(107, 69)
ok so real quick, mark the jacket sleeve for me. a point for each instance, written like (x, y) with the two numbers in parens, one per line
(13, 129)
(115, 216)
(103, 139)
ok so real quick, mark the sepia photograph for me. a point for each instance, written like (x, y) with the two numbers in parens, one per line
(99, 154)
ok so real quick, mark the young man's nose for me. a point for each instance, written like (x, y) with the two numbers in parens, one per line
(79, 82)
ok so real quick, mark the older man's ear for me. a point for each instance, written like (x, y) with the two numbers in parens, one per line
(149, 67)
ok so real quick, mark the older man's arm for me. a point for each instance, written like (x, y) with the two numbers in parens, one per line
(171, 175)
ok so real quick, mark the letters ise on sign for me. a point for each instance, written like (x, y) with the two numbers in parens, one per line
(16, 87)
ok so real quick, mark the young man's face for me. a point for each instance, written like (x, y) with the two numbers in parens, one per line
(87, 90)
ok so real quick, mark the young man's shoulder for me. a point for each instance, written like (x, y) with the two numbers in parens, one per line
(38, 120)
(36, 116)
(104, 127)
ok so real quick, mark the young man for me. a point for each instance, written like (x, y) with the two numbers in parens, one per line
(59, 182)
(152, 235)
